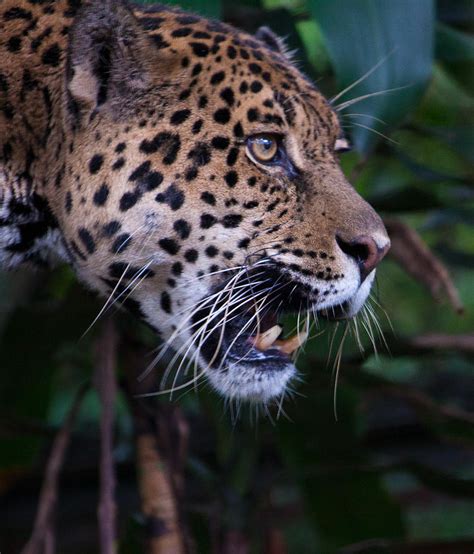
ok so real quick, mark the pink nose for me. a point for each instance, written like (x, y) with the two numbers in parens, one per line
(365, 251)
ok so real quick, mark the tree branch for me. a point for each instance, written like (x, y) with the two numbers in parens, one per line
(158, 476)
(438, 341)
(106, 385)
(42, 538)
(414, 256)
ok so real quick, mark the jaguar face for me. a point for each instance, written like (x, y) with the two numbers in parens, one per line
(217, 204)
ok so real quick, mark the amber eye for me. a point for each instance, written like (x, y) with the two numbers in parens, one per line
(263, 148)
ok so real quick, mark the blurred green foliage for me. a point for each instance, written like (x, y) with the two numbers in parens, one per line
(397, 464)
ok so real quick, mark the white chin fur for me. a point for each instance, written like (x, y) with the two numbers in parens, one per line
(359, 298)
(251, 383)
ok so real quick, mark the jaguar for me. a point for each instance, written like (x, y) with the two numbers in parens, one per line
(187, 171)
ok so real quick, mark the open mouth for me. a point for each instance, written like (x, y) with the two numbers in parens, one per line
(269, 340)
(244, 349)
(259, 341)
(252, 333)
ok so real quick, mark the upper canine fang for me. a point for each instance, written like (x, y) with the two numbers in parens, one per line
(263, 341)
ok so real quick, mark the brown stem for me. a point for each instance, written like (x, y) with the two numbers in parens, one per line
(157, 497)
(435, 547)
(173, 431)
(106, 385)
(235, 542)
(275, 542)
(420, 345)
(419, 399)
(42, 538)
(423, 401)
(157, 475)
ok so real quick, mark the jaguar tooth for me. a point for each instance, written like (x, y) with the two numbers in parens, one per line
(263, 341)
(288, 346)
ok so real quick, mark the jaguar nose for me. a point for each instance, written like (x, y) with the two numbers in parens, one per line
(365, 250)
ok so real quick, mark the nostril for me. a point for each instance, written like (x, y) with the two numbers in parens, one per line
(354, 249)
(364, 251)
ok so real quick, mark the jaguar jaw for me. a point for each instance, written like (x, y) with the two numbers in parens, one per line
(248, 356)
(255, 366)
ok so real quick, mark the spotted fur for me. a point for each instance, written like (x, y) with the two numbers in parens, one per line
(122, 153)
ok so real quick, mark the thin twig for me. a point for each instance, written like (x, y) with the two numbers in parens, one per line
(173, 431)
(415, 547)
(106, 384)
(416, 258)
(43, 538)
(440, 341)
(275, 542)
(421, 400)
(235, 542)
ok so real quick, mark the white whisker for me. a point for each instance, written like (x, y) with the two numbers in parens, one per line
(348, 103)
(376, 132)
(363, 77)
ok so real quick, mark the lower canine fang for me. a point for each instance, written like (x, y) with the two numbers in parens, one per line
(263, 341)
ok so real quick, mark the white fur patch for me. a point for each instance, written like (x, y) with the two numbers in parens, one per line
(250, 383)
(48, 248)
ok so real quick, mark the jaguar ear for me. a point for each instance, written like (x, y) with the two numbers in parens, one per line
(273, 42)
(108, 59)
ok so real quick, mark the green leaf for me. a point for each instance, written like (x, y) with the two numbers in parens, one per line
(289, 4)
(453, 45)
(428, 152)
(461, 139)
(312, 38)
(209, 8)
(446, 102)
(391, 40)
(446, 112)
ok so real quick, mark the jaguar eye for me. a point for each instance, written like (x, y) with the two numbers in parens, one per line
(263, 148)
